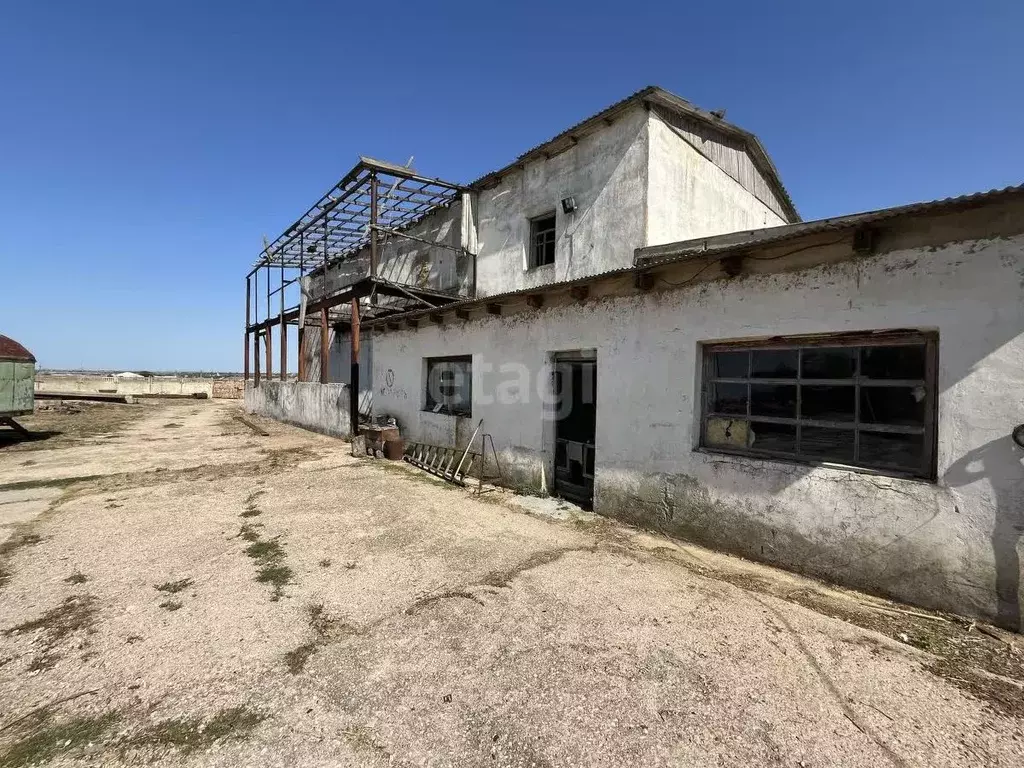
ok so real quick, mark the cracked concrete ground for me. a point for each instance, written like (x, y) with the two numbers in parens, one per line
(198, 595)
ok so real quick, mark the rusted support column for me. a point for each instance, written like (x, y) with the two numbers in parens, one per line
(325, 350)
(248, 305)
(373, 225)
(284, 351)
(353, 385)
(268, 340)
(284, 329)
(302, 353)
(256, 358)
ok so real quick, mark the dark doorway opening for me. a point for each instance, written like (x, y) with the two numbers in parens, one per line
(575, 426)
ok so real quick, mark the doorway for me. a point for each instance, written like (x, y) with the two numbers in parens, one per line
(575, 383)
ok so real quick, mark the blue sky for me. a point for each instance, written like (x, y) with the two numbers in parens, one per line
(146, 147)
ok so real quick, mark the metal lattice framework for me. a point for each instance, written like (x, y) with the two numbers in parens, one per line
(344, 216)
(332, 253)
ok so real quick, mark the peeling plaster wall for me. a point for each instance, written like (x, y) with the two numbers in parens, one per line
(412, 262)
(341, 365)
(606, 172)
(319, 407)
(948, 545)
(689, 196)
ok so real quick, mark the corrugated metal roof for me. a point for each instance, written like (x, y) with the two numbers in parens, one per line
(724, 244)
(674, 103)
(12, 350)
(735, 241)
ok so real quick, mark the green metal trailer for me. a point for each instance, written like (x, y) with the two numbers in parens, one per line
(17, 382)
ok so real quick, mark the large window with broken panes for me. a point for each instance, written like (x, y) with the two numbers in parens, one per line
(449, 385)
(864, 400)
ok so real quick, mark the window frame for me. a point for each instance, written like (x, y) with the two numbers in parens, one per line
(532, 261)
(928, 339)
(428, 407)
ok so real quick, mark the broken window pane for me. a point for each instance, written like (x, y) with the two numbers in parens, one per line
(773, 363)
(726, 433)
(730, 398)
(829, 362)
(828, 403)
(840, 408)
(893, 405)
(893, 450)
(731, 365)
(777, 438)
(773, 400)
(827, 444)
(893, 362)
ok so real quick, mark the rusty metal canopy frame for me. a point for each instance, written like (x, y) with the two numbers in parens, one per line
(374, 196)
(350, 225)
(343, 217)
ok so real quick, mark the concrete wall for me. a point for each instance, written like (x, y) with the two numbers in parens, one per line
(689, 196)
(951, 544)
(606, 172)
(146, 386)
(319, 407)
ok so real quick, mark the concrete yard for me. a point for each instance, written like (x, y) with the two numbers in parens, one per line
(175, 589)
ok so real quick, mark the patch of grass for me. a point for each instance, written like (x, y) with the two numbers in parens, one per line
(171, 425)
(324, 627)
(48, 742)
(190, 734)
(18, 541)
(170, 605)
(325, 562)
(174, 587)
(296, 660)
(269, 557)
(250, 512)
(58, 482)
(76, 613)
(77, 578)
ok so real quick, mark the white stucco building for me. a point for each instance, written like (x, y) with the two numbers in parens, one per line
(642, 323)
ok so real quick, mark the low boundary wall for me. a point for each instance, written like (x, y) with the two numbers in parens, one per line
(311, 405)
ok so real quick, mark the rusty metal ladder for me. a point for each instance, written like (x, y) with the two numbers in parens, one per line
(455, 464)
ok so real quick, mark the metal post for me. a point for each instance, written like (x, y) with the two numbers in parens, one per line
(284, 329)
(373, 225)
(353, 387)
(267, 340)
(256, 358)
(302, 330)
(325, 349)
(248, 304)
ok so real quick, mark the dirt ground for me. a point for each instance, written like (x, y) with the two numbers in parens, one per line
(177, 590)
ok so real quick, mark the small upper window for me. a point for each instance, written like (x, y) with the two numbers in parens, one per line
(862, 401)
(542, 240)
(450, 385)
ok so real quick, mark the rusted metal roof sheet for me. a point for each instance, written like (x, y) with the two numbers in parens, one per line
(737, 241)
(12, 350)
